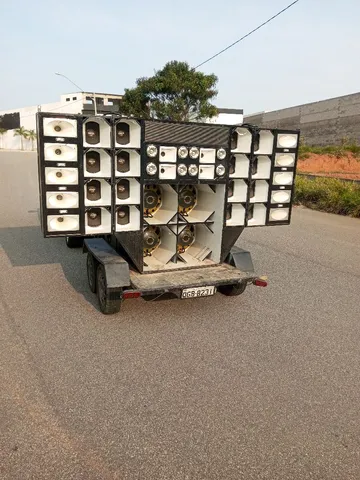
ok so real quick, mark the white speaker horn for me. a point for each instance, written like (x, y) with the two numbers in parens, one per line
(61, 200)
(63, 223)
(261, 192)
(281, 196)
(237, 215)
(259, 215)
(207, 155)
(266, 143)
(237, 191)
(242, 139)
(168, 154)
(263, 168)
(60, 127)
(207, 172)
(58, 152)
(167, 171)
(241, 165)
(61, 176)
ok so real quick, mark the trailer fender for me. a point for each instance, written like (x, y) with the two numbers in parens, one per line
(116, 268)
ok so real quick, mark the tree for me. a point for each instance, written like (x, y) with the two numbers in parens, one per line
(22, 133)
(177, 92)
(2, 132)
(31, 135)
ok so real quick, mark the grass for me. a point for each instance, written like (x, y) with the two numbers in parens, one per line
(336, 150)
(328, 195)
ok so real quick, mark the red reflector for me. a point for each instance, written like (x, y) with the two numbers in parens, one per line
(131, 294)
(260, 283)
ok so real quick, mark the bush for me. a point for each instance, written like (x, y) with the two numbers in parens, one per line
(329, 195)
(335, 150)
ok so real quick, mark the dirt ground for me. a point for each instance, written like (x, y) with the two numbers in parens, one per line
(347, 166)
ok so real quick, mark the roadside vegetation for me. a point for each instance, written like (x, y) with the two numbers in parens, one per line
(328, 195)
(337, 151)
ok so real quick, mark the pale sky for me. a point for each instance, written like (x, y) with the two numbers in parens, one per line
(309, 53)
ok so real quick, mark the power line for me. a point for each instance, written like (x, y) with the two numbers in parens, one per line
(247, 35)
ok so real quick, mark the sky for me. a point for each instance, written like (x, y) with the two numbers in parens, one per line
(309, 53)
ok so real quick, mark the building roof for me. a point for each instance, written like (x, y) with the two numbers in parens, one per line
(238, 111)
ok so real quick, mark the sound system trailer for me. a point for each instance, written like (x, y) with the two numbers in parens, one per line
(158, 206)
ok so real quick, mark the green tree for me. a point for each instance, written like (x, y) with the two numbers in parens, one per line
(177, 92)
(31, 135)
(2, 132)
(22, 133)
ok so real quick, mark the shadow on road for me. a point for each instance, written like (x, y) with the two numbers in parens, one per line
(25, 246)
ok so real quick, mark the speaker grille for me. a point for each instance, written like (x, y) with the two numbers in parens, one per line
(191, 134)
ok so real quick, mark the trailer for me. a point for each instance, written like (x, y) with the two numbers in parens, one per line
(157, 206)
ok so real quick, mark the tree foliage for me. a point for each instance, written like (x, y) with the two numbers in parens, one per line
(177, 92)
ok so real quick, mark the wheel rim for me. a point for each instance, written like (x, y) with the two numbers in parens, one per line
(101, 288)
(91, 271)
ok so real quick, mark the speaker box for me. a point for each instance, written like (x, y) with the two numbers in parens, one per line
(241, 140)
(159, 246)
(127, 191)
(127, 133)
(235, 215)
(127, 218)
(63, 223)
(266, 143)
(239, 166)
(97, 192)
(97, 163)
(59, 152)
(261, 167)
(160, 204)
(61, 176)
(96, 132)
(127, 163)
(60, 127)
(62, 200)
(97, 221)
(256, 215)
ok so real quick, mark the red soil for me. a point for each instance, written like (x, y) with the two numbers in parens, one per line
(347, 166)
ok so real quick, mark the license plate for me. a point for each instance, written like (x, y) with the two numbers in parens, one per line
(198, 292)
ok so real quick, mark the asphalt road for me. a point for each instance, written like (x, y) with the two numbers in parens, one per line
(264, 386)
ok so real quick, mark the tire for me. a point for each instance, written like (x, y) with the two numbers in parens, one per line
(74, 242)
(107, 306)
(91, 267)
(232, 290)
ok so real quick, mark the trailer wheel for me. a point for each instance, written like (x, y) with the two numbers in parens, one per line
(232, 290)
(91, 266)
(107, 306)
(74, 242)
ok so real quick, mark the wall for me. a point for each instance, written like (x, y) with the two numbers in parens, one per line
(28, 121)
(321, 123)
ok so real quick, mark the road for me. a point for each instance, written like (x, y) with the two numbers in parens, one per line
(264, 386)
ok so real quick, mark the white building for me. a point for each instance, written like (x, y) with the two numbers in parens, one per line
(79, 102)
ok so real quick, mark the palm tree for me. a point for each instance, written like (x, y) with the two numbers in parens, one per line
(2, 132)
(22, 133)
(31, 135)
